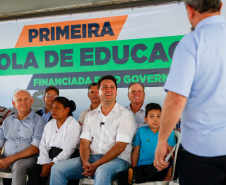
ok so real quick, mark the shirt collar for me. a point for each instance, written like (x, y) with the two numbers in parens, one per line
(210, 20)
(115, 108)
(44, 110)
(30, 115)
(142, 107)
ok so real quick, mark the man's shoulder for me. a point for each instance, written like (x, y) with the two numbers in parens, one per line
(123, 112)
(124, 109)
(39, 118)
(9, 119)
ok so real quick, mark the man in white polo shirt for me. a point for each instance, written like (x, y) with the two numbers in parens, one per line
(106, 138)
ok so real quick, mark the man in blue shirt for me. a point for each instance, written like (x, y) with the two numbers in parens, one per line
(136, 96)
(51, 93)
(20, 135)
(196, 87)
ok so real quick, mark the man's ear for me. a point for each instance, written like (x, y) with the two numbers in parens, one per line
(13, 102)
(221, 6)
(191, 11)
(32, 101)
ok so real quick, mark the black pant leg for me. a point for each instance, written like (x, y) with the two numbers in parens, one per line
(123, 178)
(144, 173)
(34, 176)
(7, 181)
(198, 170)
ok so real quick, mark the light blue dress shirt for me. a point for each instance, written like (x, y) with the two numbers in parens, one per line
(198, 72)
(45, 115)
(18, 135)
(139, 116)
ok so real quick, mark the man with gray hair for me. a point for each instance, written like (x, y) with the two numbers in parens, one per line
(196, 87)
(136, 96)
(20, 135)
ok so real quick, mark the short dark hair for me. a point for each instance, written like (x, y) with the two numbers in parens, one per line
(91, 85)
(150, 107)
(106, 77)
(52, 88)
(202, 6)
(135, 83)
(66, 103)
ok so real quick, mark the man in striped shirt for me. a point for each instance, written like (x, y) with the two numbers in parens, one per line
(4, 112)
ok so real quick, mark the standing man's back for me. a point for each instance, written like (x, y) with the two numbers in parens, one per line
(203, 80)
(196, 87)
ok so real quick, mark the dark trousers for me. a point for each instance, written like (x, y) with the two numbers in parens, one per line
(196, 170)
(35, 178)
(142, 173)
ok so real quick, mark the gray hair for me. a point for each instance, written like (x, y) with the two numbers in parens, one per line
(18, 91)
(202, 6)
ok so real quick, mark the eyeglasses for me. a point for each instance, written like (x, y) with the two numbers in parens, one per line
(51, 96)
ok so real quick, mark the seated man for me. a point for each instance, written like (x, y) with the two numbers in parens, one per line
(105, 148)
(95, 101)
(21, 134)
(51, 93)
(136, 96)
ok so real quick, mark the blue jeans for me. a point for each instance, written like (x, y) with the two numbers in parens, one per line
(72, 169)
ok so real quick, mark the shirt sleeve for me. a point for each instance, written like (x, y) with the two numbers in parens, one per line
(171, 140)
(43, 150)
(86, 132)
(126, 128)
(38, 130)
(2, 137)
(137, 141)
(70, 141)
(183, 68)
(82, 116)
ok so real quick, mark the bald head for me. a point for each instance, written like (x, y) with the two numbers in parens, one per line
(22, 101)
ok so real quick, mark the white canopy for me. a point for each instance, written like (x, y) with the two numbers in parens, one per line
(11, 9)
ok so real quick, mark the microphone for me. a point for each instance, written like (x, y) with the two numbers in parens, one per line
(102, 123)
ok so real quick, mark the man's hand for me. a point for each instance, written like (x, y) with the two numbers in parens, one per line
(160, 153)
(87, 172)
(46, 168)
(6, 162)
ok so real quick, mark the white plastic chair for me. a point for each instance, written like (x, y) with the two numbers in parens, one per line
(178, 136)
(8, 175)
(86, 181)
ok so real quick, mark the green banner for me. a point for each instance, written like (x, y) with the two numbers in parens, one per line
(148, 53)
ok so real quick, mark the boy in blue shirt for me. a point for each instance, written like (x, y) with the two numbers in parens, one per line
(145, 143)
